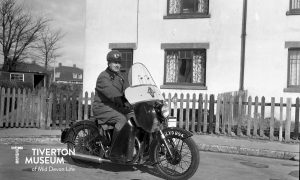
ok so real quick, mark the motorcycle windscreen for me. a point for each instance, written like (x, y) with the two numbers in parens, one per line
(141, 85)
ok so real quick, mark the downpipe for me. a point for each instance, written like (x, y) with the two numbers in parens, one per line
(90, 158)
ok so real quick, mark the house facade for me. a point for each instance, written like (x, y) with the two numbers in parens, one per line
(68, 74)
(194, 46)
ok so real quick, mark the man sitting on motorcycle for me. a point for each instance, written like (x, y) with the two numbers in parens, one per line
(109, 102)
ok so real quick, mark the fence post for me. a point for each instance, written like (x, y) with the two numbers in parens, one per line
(7, 106)
(240, 110)
(175, 106)
(296, 129)
(231, 115)
(49, 110)
(262, 113)
(92, 100)
(80, 107)
(43, 108)
(54, 110)
(169, 102)
(256, 117)
(218, 115)
(2, 107)
(211, 112)
(222, 111)
(249, 116)
(205, 114)
(74, 107)
(193, 112)
(181, 111)
(200, 113)
(68, 104)
(281, 119)
(19, 107)
(272, 119)
(23, 112)
(86, 104)
(288, 120)
(187, 112)
(61, 111)
(13, 113)
(28, 107)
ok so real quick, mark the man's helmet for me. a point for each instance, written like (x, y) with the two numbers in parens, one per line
(114, 56)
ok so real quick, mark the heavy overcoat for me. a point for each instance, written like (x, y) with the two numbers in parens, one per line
(109, 91)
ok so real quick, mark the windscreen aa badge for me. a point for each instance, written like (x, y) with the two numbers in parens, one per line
(151, 92)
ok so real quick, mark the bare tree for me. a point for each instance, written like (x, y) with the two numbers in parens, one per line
(18, 32)
(47, 48)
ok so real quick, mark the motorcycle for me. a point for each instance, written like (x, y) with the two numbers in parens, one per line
(145, 138)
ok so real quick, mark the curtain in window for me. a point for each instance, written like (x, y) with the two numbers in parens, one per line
(174, 6)
(172, 68)
(202, 6)
(198, 69)
(295, 68)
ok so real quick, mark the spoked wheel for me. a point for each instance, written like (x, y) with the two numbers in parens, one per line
(84, 140)
(184, 161)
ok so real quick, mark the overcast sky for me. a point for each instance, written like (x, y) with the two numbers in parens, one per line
(69, 15)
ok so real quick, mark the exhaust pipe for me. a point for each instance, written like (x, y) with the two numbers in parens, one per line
(90, 158)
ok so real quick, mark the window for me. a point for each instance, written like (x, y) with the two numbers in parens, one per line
(185, 67)
(187, 8)
(17, 77)
(74, 76)
(294, 7)
(57, 74)
(294, 68)
(79, 76)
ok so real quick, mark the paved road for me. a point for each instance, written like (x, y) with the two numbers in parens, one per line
(213, 166)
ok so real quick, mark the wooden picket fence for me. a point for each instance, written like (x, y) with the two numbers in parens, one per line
(232, 114)
(235, 114)
(24, 108)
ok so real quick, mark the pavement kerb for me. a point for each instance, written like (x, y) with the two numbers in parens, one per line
(55, 140)
(249, 151)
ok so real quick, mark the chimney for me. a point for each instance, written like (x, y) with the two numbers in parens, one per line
(74, 65)
(59, 64)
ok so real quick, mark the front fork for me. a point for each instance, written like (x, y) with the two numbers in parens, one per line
(163, 137)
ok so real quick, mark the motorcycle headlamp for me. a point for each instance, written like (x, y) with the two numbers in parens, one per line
(165, 110)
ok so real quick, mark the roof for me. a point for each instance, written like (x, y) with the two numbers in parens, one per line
(28, 68)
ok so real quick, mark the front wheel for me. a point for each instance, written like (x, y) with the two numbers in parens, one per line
(184, 162)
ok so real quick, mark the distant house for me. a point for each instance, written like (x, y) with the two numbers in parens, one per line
(67, 74)
(27, 73)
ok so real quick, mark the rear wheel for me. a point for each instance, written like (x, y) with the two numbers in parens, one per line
(184, 162)
(85, 140)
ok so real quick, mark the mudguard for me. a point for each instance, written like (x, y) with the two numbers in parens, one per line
(170, 131)
(177, 132)
(68, 133)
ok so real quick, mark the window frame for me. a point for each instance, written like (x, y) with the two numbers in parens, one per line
(10, 77)
(57, 75)
(291, 88)
(293, 11)
(182, 85)
(182, 15)
(75, 76)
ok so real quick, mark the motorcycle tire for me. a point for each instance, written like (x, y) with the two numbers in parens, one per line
(84, 140)
(160, 150)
